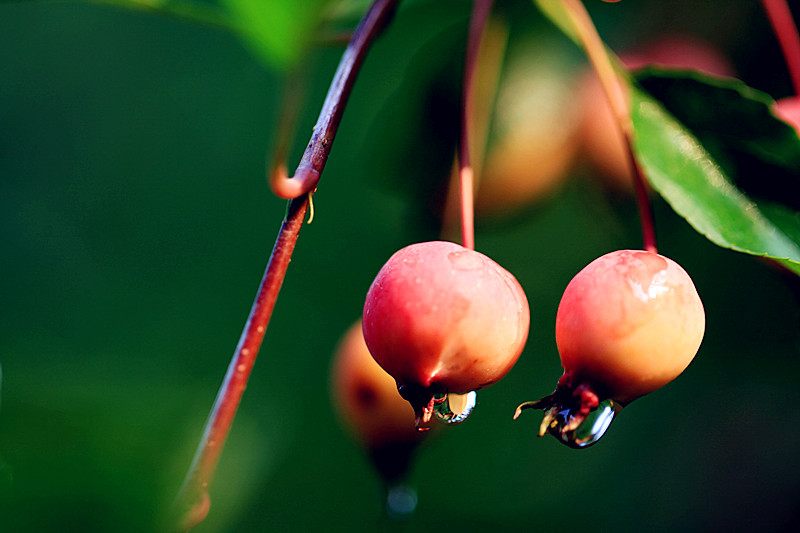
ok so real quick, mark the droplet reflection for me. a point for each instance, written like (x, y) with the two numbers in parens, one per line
(454, 408)
(590, 430)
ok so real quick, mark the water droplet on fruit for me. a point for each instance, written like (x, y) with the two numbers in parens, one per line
(401, 500)
(454, 408)
(589, 431)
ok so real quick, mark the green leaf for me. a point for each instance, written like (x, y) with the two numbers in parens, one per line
(278, 31)
(735, 123)
(740, 116)
(697, 187)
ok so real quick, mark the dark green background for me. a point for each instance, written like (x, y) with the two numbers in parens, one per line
(135, 223)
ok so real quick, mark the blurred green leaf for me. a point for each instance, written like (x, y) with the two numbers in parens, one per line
(699, 189)
(278, 31)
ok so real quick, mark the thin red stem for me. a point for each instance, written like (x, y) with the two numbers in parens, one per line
(643, 204)
(616, 95)
(480, 14)
(193, 501)
(780, 17)
(466, 179)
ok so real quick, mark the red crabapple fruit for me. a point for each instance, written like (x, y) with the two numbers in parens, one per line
(444, 320)
(628, 323)
(366, 399)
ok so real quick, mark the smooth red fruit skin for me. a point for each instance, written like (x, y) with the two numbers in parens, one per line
(628, 323)
(443, 318)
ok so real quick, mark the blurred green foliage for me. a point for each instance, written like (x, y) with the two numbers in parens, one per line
(135, 225)
(291, 27)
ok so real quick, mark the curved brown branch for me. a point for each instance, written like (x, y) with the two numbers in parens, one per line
(192, 502)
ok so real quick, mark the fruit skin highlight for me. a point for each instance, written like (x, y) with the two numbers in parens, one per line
(628, 323)
(366, 400)
(441, 318)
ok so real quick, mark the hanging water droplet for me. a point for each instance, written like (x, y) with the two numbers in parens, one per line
(401, 500)
(590, 430)
(454, 408)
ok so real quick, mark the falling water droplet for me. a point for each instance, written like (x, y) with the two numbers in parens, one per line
(590, 430)
(454, 408)
(401, 500)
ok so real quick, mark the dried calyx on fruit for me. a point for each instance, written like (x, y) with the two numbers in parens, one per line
(444, 320)
(628, 323)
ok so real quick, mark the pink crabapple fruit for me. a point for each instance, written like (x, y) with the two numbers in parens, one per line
(628, 323)
(366, 400)
(444, 320)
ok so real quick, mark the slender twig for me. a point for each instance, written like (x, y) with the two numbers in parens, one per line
(480, 14)
(193, 501)
(780, 17)
(307, 174)
(615, 93)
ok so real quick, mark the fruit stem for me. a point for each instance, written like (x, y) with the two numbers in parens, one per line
(192, 501)
(480, 14)
(615, 94)
(780, 17)
(487, 73)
